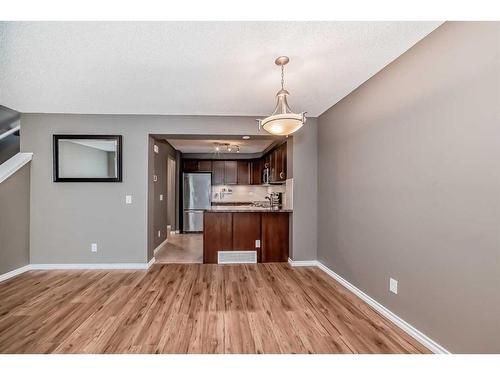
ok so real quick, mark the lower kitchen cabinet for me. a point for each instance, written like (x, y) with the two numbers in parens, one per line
(275, 237)
(246, 231)
(216, 235)
(241, 231)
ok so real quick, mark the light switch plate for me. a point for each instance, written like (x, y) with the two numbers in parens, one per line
(159, 233)
(156, 149)
(257, 244)
(128, 199)
(161, 197)
(93, 248)
(393, 285)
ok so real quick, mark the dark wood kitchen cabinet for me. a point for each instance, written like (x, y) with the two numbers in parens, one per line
(277, 160)
(205, 166)
(281, 162)
(218, 168)
(246, 230)
(193, 165)
(217, 234)
(275, 232)
(256, 172)
(190, 165)
(240, 230)
(230, 172)
(244, 172)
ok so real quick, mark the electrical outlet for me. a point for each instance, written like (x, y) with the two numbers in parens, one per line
(128, 199)
(159, 233)
(93, 248)
(161, 197)
(393, 285)
(156, 149)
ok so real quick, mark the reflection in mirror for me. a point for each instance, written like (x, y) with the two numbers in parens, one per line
(87, 158)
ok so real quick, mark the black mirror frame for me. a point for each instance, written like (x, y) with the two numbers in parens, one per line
(119, 149)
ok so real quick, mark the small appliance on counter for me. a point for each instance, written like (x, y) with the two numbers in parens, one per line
(276, 200)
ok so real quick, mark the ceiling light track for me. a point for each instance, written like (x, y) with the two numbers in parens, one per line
(226, 148)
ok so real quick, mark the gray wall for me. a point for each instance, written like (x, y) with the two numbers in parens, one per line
(409, 186)
(305, 192)
(67, 217)
(14, 220)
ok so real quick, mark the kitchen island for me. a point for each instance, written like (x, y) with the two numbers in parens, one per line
(264, 231)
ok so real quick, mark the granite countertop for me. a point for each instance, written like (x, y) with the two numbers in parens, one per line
(245, 209)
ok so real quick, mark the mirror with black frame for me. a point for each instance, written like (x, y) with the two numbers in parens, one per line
(87, 158)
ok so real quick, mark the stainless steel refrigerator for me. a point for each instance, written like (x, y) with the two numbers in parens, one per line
(197, 193)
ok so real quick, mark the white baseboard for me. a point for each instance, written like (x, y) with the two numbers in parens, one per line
(74, 266)
(15, 272)
(303, 263)
(91, 266)
(405, 326)
(160, 245)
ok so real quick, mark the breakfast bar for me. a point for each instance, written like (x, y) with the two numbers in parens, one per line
(250, 231)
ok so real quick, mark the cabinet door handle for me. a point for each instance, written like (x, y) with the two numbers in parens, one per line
(282, 174)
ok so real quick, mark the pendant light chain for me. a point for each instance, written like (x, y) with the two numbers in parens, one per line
(282, 76)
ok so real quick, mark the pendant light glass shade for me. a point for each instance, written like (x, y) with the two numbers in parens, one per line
(283, 121)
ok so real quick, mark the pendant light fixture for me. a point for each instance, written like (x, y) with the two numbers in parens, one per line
(283, 121)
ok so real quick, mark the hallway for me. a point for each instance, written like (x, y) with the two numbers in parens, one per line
(181, 248)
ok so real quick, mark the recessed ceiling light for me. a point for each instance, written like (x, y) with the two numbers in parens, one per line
(246, 137)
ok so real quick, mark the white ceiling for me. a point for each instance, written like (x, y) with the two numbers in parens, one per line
(249, 146)
(192, 68)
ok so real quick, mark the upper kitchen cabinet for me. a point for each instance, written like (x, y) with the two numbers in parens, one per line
(243, 171)
(256, 178)
(218, 172)
(225, 172)
(244, 176)
(281, 162)
(193, 165)
(230, 172)
(205, 166)
(277, 163)
(189, 165)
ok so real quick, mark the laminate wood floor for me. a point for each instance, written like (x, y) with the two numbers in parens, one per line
(196, 308)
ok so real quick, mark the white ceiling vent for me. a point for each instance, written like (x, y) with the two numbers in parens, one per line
(235, 257)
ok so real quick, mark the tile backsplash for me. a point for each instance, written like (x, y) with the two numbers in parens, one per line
(245, 193)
